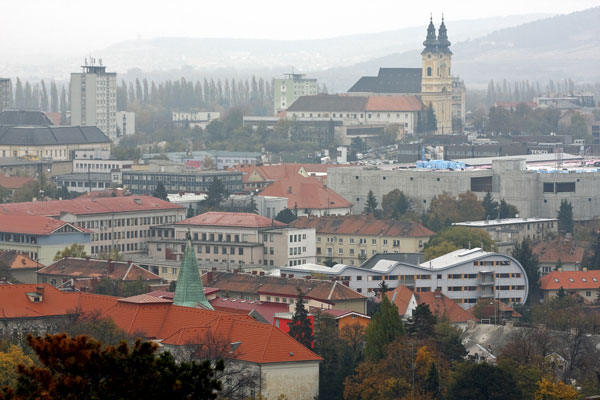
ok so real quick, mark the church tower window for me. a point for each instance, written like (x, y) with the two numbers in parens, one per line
(428, 71)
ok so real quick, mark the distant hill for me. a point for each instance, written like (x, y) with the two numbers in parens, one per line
(549, 48)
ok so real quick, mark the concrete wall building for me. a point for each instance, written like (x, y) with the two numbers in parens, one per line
(234, 239)
(507, 232)
(125, 123)
(5, 93)
(463, 275)
(121, 223)
(287, 90)
(535, 193)
(352, 239)
(179, 179)
(39, 237)
(21, 268)
(87, 182)
(94, 98)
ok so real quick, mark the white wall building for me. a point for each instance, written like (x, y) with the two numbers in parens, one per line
(463, 275)
(94, 98)
(195, 119)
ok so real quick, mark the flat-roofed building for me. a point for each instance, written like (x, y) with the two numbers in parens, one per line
(121, 223)
(179, 179)
(463, 275)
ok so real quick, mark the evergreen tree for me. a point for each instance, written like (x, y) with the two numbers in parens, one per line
(561, 293)
(384, 328)
(190, 212)
(64, 106)
(286, 216)
(506, 210)
(565, 217)
(300, 327)
(215, 194)
(432, 382)
(252, 207)
(490, 206)
(594, 262)
(53, 97)
(422, 323)
(371, 205)
(160, 192)
(431, 120)
(44, 99)
(523, 253)
(19, 95)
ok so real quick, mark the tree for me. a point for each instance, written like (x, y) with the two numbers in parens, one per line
(385, 327)
(523, 253)
(300, 327)
(594, 262)
(431, 126)
(422, 323)
(490, 206)
(506, 210)
(75, 250)
(551, 390)
(160, 192)
(395, 204)
(565, 217)
(215, 195)
(286, 216)
(190, 212)
(457, 237)
(82, 368)
(471, 381)
(10, 359)
(469, 208)
(371, 204)
(120, 288)
(447, 339)
(252, 207)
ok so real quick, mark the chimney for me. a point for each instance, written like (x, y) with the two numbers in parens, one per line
(40, 290)
(129, 262)
(283, 275)
(254, 272)
(261, 273)
(307, 277)
(213, 269)
(209, 276)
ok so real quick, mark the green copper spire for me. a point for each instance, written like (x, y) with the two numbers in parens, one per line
(189, 291)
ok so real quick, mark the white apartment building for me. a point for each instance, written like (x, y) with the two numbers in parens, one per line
(94, 98)
(463, 275)
(287, 90)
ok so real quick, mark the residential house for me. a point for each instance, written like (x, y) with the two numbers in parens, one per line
(121, 223)
(351, 239)
(317, 293)
(13, 183)
(560, 253)
(308, 196)
(234, 240)
(40, 237)
(584, 283)
(92, 270)
(22, 269)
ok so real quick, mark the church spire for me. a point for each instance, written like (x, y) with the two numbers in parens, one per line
(430, 42)
(189, 291)
(443, 42)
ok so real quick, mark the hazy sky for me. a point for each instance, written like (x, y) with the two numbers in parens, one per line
(60, 26)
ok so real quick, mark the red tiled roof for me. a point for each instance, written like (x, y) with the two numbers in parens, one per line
(571, 280)
(218, 218)
(32, 224)
(93, 268)
(279, 171)
(85, 206)
(394, 103)
(362, 225)
(304, 192)
(400, 297)
(443, 306)
(266, 309)
(15, 260)
(145, 299)
(14, 182)
(103, 193)
(561, 249)
(322, 290)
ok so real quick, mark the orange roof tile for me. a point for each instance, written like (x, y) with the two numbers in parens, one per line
(16, 260)
(362, 225)
(400, 297)
(33, 224)
(561, 249)
(443, 306)
(304, 192)
(85, 206)
(94, 268)
(571, 280)
(14, 182)
(218, 218)
(394, 103)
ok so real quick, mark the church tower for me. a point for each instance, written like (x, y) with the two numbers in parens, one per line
(189, 291)
(436, 80)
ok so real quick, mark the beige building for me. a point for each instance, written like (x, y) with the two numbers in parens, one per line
(584, 284)
(352, 239)
(121, 223)
(234, 240)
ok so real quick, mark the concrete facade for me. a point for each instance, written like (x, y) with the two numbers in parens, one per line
(5, 93)
(534, 193)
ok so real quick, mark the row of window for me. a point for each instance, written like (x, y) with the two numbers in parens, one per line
(395, 242)
(119, 246)
(490, 263)
(296, 238)
(108, 223)
(474, 276)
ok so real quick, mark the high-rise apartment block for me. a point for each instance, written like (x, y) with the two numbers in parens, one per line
(287, 90)
(94, 98)
(5, 93)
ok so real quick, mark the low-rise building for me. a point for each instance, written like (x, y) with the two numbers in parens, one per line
(234, 239)
(560, 253)
(179, 179)
(13, 183)
(352, 239)
(463, 275)
(584, 283)
(21, 268)
(194, 119)
(121, 223)
(87, 182)
(40, 237)
(321, 294)
(506, 232)
(69, 268)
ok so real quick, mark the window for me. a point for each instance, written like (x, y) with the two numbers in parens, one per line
(428, 71)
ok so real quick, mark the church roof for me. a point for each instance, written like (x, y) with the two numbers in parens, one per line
(390, 80)
(24, 117)
(50, 135)
(189, 291)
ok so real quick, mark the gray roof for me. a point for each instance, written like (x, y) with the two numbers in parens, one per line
(84, 176)
(329, 103)
(50, 135)
(409, 258)
(390, 80)
(24, 117)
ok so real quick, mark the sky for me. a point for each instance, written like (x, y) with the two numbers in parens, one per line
(67, 26)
